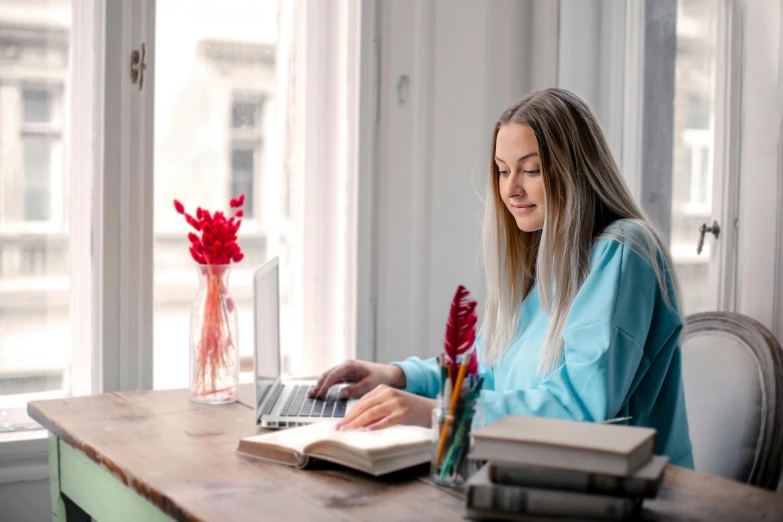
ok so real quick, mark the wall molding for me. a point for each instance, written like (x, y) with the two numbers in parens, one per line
(24, 459)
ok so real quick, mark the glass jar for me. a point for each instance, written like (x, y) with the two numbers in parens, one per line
(214, 344)
(452, 440)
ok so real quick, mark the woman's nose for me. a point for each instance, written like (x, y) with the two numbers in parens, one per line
(516, 185)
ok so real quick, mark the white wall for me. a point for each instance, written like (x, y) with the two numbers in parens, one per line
(465, 62)
(25, 502)
(760, 259)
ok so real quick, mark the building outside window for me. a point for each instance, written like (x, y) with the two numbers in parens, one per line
(35, 345)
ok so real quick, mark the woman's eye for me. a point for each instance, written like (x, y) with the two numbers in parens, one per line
(532, 172)
(504, 173)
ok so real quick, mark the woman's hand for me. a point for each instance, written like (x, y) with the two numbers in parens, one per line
(385, 406)
(365, 376)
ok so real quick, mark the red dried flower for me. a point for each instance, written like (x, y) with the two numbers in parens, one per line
(217, 243)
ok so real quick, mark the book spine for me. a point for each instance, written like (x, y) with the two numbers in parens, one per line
(568, 480)
(510, 499)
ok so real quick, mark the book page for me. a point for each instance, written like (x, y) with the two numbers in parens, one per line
(366, 444)
(394, 440)
(297, 438)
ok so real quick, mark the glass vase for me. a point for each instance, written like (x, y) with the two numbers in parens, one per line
(452, 441)
(214, 344)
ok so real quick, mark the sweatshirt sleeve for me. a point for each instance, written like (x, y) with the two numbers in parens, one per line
(604, 336)
(423, 376)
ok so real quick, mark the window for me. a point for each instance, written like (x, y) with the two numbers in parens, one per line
(246, 149)
(694, 120)
(228, 60)
(230, 113)
(41, 138)
(35, 233)
(697, 172)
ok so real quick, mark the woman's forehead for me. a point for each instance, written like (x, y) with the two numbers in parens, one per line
(515, 141)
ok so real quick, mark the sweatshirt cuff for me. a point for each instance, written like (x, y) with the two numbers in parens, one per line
(415, 375)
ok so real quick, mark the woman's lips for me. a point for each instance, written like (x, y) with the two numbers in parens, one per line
(523, 209)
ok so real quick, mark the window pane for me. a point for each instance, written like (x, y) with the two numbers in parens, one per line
(242, 173)
(35, 342)
(215, 97)
(694, 117)
(244, 115)
(37, 179)
(37, 105)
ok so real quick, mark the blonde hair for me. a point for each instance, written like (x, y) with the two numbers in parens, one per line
(584, 195)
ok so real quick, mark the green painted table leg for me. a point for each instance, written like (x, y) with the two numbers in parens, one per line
(63, 509)
(89, 488)
(58, 506)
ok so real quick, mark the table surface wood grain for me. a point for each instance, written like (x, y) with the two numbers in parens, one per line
(181, 456)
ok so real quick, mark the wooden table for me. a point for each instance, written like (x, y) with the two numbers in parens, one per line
(155, 456)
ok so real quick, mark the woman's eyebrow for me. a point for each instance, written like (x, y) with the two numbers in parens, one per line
(520, 160)
(526, 156)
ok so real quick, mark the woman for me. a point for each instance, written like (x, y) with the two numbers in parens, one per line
(582, 317)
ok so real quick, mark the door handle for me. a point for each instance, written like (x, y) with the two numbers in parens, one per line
(138, 65)
(714, 229)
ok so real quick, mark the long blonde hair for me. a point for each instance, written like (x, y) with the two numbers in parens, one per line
(584, 195)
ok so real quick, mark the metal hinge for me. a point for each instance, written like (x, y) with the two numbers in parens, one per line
(138, 65)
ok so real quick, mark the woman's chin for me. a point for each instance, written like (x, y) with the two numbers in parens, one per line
(525, 224)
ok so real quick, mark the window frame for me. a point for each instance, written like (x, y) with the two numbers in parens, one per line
(726, 146)
(332, 41)
(111, 303)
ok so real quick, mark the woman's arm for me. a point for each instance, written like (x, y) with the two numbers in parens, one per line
(591, 384)
(423, 376)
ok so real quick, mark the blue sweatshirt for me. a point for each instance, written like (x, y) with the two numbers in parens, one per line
(620, 356)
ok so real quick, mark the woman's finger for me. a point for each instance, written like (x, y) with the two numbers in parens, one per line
(369, 416)
(357, 389)
(390, 420)
(319, 382)
(332, 377)
(365, 403)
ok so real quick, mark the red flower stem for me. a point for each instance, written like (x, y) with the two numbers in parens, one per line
(215, 338)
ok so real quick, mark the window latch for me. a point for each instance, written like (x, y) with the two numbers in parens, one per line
(714, 229)
(138, 65)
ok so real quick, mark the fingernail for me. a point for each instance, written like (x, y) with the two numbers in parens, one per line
(338, 426)
(343, 394)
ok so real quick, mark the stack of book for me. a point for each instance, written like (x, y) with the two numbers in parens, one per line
(549, 467)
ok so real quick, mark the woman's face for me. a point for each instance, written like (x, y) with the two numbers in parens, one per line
(520, 182)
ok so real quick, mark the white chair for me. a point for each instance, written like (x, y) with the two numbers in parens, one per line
(733, 378)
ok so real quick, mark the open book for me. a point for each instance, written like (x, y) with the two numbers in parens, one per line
(374, 452)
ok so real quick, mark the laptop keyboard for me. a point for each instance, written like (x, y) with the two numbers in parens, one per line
(299, 404)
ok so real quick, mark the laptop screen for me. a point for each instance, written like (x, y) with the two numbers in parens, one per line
(266, 289)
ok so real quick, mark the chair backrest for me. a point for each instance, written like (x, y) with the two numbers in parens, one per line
(733, 379)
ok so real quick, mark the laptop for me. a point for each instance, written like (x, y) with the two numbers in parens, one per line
(282, 403)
